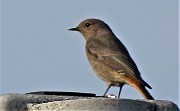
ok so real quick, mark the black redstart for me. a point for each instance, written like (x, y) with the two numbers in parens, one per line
(109, 58)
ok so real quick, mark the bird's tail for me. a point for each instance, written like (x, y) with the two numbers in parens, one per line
(139, 86)
(143, 91)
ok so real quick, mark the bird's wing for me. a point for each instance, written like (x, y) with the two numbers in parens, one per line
(113, 54)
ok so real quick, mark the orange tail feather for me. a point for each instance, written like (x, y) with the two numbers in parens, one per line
(141, 88)
(143, 91)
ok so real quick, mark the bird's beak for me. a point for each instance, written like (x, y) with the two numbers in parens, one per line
(74, 29)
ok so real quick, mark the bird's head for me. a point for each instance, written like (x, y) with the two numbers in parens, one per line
(91, 27)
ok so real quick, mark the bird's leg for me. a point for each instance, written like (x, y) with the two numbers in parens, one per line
(120, 88)
(106, 90)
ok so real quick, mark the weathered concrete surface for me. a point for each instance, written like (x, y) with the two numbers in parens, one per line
(29, 102)
(14, 102)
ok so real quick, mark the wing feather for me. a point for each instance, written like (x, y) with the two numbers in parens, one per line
(113, 54)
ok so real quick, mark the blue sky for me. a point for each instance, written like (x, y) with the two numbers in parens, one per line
(38, 53)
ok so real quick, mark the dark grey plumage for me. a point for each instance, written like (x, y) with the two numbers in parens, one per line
(109, 58)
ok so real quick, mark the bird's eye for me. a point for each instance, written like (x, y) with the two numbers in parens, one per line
(87, 25)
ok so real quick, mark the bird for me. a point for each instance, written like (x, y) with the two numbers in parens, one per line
(109, 57)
